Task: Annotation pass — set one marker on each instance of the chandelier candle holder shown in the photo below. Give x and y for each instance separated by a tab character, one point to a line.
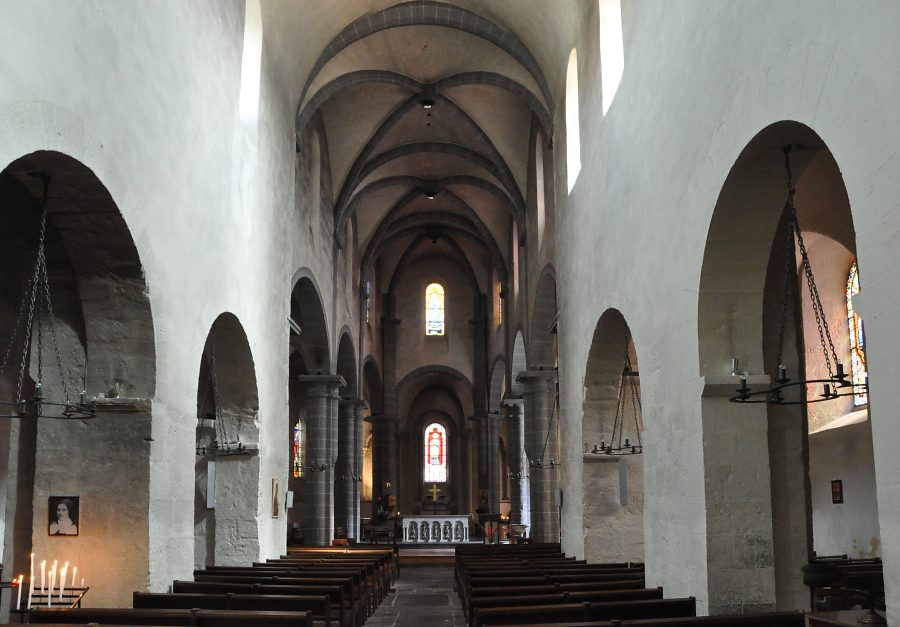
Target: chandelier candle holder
29	330
54	591
222	445
628	395
784	390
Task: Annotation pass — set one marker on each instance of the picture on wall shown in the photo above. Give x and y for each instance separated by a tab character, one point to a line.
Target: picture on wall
276	498
837	491
63	516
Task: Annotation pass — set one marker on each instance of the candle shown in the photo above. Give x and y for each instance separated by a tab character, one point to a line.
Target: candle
74	570
62	580
82	582
52	583
19	600
31	568
43	574
30	592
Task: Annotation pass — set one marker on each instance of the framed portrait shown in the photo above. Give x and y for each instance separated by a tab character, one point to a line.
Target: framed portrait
62	514
837	491
276	498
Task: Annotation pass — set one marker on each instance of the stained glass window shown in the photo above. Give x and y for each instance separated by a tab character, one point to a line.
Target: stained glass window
857	341
368	299
434	309
435	454
298	449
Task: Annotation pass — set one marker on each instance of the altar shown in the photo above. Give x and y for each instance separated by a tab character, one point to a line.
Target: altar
435	528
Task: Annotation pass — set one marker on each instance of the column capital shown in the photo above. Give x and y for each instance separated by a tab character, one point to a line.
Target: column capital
512	403
334	380
346	401
535	374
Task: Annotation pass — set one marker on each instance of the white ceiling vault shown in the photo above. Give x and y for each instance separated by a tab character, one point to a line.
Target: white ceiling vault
427	108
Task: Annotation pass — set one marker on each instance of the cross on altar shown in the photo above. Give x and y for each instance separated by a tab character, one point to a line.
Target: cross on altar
434	492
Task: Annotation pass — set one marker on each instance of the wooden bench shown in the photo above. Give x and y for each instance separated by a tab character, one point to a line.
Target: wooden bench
318	606
575	612
202	618
774	619
562	598
342	610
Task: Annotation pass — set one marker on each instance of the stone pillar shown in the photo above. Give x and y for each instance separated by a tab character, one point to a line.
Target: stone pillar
492	424
346	486
358	446
321	448
384	457
539	392
518	464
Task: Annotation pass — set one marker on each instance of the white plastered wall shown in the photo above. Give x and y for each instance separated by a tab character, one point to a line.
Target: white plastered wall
700	80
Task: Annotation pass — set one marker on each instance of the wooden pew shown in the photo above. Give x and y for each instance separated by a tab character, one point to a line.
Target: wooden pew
774	619
319	606
343	610
561	598
202	618
575	612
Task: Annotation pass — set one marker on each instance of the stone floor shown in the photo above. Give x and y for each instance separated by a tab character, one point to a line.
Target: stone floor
422	596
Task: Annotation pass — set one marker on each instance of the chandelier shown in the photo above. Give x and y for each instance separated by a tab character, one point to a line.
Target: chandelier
628	395
836	384
34	323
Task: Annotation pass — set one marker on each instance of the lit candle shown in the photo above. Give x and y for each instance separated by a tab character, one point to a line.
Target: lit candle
74	570
19	600
31	568
43	574
62	580
52	583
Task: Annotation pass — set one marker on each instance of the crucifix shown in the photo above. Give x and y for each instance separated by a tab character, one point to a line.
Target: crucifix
434	492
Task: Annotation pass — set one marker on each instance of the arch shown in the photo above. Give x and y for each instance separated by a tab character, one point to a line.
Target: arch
372	390
359	77
98	284
308	311
420	188
498	378
228	395
542	338
493	164
429	13
613	497
518	364
744	322
459	256
346	361
434	369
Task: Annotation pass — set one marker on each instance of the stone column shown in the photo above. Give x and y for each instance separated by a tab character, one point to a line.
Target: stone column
493	461
321	446
518	465
358	446
384	456
539	392
346	487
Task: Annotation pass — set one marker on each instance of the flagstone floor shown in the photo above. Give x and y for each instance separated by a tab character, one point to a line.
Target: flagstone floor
423	596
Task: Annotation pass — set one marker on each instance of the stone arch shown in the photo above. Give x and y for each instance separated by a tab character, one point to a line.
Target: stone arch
371	387
498	380
740	319
518	364
308	311
426	12
346	361
228	419
613	497
542	338
435	369
105	334
458	255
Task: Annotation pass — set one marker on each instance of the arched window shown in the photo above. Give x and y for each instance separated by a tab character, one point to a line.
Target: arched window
612	49
573	132
857	341
434	309
435	446
298	449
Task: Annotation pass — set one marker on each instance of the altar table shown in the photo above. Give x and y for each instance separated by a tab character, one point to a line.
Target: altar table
435	528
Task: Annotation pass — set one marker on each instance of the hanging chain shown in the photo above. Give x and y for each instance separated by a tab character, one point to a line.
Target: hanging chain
32	288
635	397
793	230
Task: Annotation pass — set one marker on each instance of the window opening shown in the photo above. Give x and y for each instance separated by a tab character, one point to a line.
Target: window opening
298	449
857	341
573	133
435	453
434	309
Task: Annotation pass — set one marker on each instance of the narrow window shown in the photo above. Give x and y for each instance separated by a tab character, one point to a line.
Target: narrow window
612	50
573	133
368	299
298	449
435	454
434	309
859	373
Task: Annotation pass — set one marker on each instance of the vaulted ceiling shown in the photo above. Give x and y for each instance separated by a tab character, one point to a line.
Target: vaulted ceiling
428	109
